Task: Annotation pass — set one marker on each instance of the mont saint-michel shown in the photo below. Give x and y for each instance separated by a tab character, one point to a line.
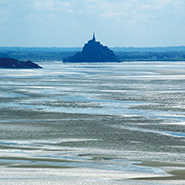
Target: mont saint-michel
93	51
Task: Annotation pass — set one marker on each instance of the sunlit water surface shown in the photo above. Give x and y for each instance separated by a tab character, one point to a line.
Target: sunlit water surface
92	123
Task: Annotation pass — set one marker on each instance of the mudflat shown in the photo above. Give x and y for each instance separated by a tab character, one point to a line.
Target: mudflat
93	123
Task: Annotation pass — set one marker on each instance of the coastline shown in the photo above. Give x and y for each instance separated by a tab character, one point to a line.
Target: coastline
174	171
109	123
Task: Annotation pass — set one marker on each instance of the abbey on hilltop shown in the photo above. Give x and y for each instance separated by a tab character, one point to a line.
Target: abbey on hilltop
93	51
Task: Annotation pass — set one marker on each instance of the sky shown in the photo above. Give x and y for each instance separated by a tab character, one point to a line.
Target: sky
70	23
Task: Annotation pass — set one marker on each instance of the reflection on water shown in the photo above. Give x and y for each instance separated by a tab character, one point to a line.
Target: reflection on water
94	116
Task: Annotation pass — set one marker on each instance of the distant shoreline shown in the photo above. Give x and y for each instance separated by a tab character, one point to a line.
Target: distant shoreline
176	53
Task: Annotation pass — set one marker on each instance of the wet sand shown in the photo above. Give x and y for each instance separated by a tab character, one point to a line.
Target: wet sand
175	171
100	123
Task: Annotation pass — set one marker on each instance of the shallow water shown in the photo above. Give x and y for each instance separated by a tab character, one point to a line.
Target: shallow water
98	117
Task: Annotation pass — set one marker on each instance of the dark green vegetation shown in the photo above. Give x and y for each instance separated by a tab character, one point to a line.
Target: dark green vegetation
124	54
93	51
14	63
152	56
37	54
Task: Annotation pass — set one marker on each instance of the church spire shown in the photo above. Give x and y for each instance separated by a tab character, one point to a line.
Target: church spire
94	39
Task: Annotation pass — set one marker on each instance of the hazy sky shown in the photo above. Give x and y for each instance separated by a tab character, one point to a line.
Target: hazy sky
70	23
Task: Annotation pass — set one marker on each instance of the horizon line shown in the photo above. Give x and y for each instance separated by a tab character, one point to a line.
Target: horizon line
82	47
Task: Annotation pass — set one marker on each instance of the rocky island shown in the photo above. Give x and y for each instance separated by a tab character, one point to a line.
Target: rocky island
93	51
17	64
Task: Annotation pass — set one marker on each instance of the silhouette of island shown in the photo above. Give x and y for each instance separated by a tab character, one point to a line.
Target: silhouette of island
14	63
93	51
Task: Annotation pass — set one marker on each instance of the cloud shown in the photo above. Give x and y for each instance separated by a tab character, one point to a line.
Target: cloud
105	9
127	11
118	8
164	4
51	5
46	18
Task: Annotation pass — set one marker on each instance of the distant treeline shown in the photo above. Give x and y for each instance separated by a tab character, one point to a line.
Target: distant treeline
37	56
124	54
153	56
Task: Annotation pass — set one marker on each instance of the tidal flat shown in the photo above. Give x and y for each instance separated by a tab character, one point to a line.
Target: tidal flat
100	123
